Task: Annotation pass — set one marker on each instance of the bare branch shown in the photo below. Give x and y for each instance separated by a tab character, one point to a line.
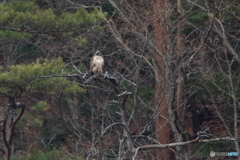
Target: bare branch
119	39
222	34
106	131
195	3
153	146
126	129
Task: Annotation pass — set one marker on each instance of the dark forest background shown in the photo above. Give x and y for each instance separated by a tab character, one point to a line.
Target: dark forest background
170	87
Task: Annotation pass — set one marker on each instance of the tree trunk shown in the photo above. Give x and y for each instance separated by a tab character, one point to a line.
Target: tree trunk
180	94
161	36
179	52
9	125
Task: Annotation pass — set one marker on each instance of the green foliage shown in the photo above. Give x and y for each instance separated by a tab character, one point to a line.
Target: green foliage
51	155
196	17
33	119
22	6
81	41
73	88
20	19
52	134
145	93
41	105
7	34
25	78
28	52
37	121
36	116
214	84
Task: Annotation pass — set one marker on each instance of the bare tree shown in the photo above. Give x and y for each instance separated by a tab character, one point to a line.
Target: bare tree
8	126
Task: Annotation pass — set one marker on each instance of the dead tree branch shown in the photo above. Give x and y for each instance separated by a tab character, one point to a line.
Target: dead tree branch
198	139
126	129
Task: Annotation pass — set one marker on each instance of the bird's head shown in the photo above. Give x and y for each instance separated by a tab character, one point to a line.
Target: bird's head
98	53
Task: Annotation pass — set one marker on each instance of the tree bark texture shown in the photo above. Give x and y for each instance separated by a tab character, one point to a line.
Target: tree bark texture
126	129
180	94
9	125
161	36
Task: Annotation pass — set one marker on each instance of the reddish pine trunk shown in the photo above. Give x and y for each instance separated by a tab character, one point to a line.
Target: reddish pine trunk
163	128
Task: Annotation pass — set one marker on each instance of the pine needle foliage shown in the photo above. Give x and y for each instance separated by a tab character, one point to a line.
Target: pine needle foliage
26	79
21	19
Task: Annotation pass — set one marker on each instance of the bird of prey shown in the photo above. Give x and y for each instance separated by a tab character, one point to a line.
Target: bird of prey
96	64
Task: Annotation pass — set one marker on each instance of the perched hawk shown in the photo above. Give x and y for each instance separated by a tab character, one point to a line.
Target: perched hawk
96	63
